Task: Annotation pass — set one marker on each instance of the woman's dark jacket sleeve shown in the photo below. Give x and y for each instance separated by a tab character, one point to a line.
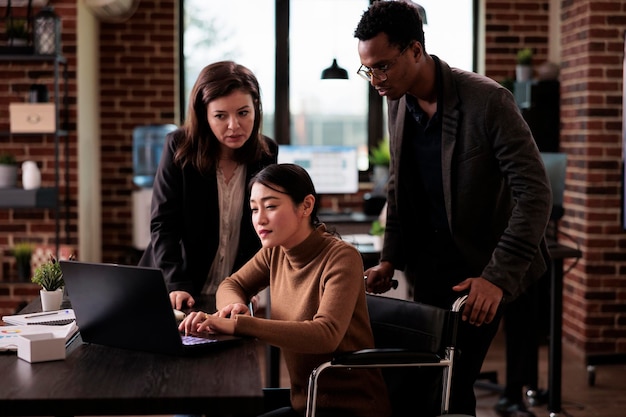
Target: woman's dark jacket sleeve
184	226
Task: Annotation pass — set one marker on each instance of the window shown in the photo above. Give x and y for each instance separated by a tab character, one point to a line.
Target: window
321	112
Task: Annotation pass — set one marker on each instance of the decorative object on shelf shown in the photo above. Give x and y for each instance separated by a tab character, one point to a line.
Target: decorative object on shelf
17	31
31	176
524	69
47	32
8	170
23	252
50	277
38	93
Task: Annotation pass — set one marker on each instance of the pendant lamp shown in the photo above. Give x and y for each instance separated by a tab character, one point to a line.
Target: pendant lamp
334	72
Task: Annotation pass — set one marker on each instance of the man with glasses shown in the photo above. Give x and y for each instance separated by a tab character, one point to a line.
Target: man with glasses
468	198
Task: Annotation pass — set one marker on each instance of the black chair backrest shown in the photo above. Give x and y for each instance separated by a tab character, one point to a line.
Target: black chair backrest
405	324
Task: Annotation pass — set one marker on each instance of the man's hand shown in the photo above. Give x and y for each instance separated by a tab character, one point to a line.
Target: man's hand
378	278
482	302
181	299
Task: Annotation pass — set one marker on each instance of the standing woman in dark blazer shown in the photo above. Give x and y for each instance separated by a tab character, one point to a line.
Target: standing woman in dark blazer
201	229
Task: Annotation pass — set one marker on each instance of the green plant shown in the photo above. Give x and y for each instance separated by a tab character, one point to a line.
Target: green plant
380	154
377	228
7	159
525	56
22	251
49	275
17	29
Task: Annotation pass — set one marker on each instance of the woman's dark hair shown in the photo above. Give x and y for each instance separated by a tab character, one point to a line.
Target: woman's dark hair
200	147
293	180
399	20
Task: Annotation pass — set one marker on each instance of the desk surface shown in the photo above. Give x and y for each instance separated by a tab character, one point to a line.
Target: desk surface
98	380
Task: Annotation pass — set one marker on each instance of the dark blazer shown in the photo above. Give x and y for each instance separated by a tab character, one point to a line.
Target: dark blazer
496	192
185	221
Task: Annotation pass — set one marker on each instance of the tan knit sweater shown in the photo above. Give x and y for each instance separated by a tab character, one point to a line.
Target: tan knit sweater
318	310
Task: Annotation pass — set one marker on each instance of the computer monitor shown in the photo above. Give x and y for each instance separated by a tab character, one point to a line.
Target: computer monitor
333	169
556	164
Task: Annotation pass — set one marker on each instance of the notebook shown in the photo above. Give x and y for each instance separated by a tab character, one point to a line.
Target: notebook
50	318
129	307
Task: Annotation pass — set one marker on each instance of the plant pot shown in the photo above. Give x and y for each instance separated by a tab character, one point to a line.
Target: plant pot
523	72
8	176
23	270
51	300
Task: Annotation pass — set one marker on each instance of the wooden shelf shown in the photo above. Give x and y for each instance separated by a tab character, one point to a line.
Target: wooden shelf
23	3
19	198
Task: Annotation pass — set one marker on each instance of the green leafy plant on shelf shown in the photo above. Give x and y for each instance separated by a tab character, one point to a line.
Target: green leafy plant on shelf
380	155
17	28
49	275
525	56
7	159
377	228
22	251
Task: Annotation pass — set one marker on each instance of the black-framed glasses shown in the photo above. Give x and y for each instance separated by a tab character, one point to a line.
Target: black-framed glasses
380	73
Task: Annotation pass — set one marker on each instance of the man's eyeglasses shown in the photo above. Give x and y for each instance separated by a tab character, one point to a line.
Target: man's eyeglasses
380	73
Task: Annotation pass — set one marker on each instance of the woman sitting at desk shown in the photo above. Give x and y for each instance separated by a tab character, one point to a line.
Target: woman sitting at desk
318	306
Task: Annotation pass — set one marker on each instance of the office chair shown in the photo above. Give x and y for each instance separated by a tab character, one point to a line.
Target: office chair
407	334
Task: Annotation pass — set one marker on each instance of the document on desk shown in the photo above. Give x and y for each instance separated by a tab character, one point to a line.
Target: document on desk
9	334
57	318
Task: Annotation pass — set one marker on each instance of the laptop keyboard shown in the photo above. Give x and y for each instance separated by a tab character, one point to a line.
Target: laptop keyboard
193	340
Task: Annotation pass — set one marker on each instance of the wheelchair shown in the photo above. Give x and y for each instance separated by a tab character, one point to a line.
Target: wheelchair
407	335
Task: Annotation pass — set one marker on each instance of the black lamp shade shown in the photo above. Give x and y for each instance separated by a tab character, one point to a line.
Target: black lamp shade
334	72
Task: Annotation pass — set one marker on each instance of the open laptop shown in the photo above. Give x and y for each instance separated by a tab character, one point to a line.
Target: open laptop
129	307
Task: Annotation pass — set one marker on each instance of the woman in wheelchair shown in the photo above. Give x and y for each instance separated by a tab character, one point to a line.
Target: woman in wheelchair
318	304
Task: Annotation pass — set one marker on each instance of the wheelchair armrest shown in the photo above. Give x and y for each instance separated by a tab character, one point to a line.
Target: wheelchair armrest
388	356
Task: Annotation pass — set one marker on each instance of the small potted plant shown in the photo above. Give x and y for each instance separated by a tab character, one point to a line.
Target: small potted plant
8	170
17	32
380	157
523	70
23	252
50	277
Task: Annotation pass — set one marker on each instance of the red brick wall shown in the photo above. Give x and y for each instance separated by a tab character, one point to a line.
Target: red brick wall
591	115
511	26
137	86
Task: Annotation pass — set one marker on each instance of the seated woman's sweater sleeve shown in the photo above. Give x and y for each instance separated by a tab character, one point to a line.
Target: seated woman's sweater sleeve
334	281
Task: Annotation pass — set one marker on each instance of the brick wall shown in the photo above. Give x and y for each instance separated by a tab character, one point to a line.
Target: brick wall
511	26
591	114
138	87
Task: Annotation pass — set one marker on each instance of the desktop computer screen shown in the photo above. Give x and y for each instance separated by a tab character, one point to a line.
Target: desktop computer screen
333	169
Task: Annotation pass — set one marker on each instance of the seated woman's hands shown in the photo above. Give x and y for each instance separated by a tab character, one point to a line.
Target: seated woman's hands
219	322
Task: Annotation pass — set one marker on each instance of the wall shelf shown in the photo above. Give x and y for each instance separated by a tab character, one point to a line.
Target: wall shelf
47	197
18	198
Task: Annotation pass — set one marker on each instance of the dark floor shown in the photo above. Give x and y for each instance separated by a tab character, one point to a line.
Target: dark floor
607	398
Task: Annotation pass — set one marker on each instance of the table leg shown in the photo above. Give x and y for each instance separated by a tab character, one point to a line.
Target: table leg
556	331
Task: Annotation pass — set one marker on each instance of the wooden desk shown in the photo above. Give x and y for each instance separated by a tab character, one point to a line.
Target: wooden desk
98	380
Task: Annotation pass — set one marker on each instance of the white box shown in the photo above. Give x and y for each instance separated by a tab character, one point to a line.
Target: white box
32	117
40	347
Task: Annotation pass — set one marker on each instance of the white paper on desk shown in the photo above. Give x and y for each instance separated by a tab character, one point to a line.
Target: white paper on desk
48	317
9	334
